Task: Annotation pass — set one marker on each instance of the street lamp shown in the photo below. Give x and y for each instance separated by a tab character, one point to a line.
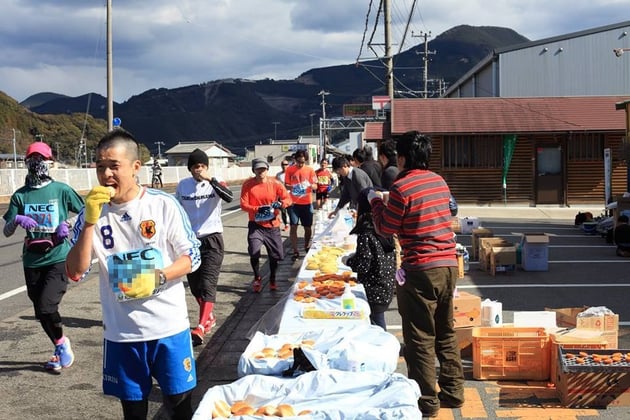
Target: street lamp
322	131
159	150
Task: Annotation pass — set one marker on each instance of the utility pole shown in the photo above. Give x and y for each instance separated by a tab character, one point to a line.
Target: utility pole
14	152
159	143
388	49
425	58
110	81
275	130
312	114
322	128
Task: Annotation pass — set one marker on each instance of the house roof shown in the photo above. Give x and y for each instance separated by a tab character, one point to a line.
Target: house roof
206	146
375	131
508	115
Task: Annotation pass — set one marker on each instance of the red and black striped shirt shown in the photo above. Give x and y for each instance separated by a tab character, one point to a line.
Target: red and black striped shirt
418	212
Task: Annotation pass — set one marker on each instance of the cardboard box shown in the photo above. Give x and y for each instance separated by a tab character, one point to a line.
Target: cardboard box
600	323
608	325
460	267
476	234
468	224
573	339
455	225
464	340
565	317
466	310
485	249
535	252
502	258
592	385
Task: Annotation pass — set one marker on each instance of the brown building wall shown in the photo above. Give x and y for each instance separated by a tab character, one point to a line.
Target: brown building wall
583	180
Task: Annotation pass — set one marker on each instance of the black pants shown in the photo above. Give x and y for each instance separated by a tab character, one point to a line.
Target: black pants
203	282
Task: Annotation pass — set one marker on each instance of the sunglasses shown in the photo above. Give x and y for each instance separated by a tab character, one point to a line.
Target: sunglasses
284	164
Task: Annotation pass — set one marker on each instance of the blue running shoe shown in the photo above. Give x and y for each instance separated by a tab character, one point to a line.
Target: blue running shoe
53	365
65	353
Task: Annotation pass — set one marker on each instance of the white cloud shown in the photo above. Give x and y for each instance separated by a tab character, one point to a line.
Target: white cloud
49	45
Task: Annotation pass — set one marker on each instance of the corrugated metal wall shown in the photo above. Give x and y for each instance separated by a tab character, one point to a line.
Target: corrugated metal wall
577	66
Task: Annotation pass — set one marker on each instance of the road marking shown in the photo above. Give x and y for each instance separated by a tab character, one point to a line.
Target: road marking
22	289
12	293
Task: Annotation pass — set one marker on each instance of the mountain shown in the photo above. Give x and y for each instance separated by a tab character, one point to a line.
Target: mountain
239	113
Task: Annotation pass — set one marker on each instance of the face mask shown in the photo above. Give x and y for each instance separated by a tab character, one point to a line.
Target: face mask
37	171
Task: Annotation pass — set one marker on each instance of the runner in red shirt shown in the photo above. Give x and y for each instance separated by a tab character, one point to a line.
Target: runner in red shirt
324	184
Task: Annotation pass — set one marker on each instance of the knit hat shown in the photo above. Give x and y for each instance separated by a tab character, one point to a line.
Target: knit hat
259	163
197	156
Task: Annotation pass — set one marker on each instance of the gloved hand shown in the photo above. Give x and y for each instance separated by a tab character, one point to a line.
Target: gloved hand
401	276
94	202
142	285
62	230
345	258
25	221
374	194
276	204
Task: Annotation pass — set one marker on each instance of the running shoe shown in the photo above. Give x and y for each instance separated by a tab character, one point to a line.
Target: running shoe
272	285
210	323
65	353
53	365
62	358
257	284
197	335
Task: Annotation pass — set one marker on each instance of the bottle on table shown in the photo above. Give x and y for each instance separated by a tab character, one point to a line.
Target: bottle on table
348	300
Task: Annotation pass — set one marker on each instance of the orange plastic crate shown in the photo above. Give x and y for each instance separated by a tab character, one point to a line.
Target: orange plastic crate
511	353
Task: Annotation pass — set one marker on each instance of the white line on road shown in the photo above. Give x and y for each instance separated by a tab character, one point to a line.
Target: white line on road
12	293
22	289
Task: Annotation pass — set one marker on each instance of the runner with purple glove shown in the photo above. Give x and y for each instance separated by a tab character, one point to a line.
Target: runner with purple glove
41	207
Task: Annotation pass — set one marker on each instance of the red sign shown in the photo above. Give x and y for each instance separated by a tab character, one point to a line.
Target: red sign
381	102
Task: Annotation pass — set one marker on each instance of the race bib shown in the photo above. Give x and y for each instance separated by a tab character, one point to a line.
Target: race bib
264	214
128	269
45	214
298	190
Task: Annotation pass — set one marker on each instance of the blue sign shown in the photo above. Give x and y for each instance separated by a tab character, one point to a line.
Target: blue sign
116	122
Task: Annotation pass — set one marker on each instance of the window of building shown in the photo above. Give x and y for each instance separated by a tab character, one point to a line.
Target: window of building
586	146
474	152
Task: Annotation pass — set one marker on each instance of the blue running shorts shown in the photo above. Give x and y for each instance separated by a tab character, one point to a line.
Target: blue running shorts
129	368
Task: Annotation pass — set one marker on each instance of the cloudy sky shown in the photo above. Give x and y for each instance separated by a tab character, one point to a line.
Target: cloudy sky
60	45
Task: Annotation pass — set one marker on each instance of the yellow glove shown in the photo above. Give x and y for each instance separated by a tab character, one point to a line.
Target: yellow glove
94	202
142	285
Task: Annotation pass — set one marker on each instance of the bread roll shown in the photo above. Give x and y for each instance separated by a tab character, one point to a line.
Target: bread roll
246	410
266	410
221	409
268	352
237	405
285	410
304	412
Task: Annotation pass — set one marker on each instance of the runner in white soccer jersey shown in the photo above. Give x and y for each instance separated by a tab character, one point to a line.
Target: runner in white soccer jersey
145	246
201	196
